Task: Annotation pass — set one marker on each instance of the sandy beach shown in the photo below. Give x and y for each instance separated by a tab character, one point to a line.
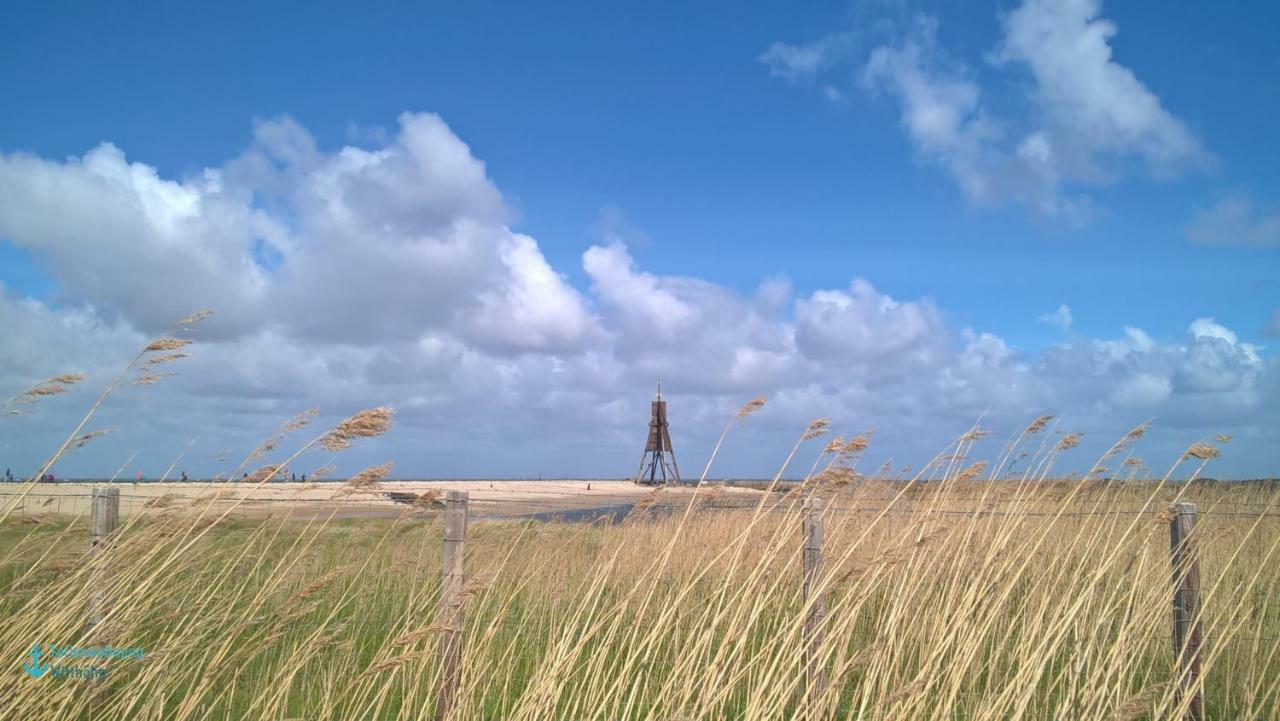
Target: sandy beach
489	499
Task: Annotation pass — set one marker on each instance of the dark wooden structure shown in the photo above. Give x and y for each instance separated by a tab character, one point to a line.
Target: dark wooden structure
658	462
1188	630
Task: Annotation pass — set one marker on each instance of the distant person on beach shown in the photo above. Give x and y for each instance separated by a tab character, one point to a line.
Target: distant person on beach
304	478
8	475
139	476
184	476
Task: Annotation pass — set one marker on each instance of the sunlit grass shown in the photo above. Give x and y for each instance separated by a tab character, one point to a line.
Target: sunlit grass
947	600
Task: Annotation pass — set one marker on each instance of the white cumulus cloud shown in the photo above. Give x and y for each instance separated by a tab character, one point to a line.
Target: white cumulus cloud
358	276
1083	120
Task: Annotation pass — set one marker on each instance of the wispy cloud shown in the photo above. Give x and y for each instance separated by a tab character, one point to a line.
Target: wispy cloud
1084	120
1272	329
806	60
1061	318
1235	221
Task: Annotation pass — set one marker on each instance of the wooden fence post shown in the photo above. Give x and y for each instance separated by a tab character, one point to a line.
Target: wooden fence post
1187	633
452	579
815	672
104	515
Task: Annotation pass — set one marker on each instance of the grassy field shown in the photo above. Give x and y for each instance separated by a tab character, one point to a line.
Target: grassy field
952	599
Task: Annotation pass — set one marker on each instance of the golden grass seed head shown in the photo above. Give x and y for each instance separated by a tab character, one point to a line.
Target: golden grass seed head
857	444
167	358
972	471
396	662
365	424
409	637
1202	451
428	500
1138	706
1069	441
82	441
313	587
195	317
1037	425
817	427
166	344
263	473
751	406
371	477
44	390
263	449
836	477
273	441
48	387
1136	433
299	421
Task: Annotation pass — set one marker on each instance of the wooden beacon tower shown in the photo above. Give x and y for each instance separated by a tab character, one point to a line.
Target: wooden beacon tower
659	458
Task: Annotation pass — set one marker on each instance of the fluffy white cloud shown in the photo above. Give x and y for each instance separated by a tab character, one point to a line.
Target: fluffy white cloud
530	307
864	325
1081	121
388	275
1234	221
1214	361
697	334
1092	109
943	114
114	233
357	245
1208	377
639	301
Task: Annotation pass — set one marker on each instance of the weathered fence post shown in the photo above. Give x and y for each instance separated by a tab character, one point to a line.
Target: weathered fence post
104	515
815	672
1187	634
452	578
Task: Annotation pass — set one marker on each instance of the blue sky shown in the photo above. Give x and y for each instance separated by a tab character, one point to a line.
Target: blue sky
672	129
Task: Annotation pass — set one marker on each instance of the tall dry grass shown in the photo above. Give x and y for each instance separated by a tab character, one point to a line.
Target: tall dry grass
975	600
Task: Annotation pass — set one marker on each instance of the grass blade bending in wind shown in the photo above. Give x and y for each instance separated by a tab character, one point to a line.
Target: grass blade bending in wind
25	401
816	428
747	409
